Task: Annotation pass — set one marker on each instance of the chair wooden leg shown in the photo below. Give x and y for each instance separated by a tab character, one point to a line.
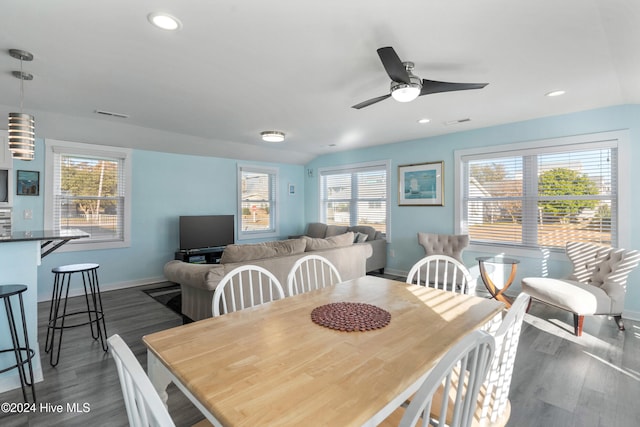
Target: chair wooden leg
619	322
578	321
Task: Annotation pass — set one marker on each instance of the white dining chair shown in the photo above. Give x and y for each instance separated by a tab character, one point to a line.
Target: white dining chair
441	272
494	404
311	272
243	287
471	355
493	407
144	406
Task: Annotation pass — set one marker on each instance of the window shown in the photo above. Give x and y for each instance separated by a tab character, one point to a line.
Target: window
356	195
88	187
542	194
257	202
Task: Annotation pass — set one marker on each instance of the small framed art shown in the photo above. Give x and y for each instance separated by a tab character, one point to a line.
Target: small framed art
421	184
28	183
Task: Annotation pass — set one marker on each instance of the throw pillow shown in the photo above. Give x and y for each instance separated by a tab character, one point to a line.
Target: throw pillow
360	237
339	241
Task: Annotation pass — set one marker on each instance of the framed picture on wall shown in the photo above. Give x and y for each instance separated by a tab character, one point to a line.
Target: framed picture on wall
421	184
28	183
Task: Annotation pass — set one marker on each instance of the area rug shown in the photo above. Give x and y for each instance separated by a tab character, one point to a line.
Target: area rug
169	295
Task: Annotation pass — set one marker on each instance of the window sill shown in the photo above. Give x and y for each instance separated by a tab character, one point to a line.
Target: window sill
534	253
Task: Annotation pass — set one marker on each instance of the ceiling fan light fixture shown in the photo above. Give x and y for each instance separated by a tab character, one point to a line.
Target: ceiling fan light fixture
405	92
272	136
164	21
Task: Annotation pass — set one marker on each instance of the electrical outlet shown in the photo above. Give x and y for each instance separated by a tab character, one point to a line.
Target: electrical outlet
28	214
392	253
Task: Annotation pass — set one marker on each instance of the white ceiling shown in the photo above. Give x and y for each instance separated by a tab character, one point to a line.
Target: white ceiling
239	67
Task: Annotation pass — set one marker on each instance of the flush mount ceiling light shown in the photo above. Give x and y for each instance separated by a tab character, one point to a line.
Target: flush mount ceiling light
272	136
423	121
164	21
555	93
21	125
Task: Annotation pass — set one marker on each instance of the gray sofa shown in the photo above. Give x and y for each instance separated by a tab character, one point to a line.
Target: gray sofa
199	281
375	239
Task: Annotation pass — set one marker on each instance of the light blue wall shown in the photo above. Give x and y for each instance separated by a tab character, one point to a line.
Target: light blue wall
406	221
165	186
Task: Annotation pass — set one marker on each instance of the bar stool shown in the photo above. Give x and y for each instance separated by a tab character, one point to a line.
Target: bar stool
23	353
58	315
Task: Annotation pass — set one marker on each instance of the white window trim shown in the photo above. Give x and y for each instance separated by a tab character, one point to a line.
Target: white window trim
352	167
56	146
249	235
619	138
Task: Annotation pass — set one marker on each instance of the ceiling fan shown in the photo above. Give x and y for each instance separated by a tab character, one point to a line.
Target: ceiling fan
405	86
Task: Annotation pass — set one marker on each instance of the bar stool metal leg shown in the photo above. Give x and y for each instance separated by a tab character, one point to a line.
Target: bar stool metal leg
18	349
97	303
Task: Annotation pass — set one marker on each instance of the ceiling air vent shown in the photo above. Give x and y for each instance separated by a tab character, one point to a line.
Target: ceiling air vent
112	114
457	122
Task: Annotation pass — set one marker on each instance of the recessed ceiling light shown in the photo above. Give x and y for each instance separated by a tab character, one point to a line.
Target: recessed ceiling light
164	21
423	121
555	93
272	136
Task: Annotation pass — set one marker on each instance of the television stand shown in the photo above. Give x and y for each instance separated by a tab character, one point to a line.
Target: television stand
201	256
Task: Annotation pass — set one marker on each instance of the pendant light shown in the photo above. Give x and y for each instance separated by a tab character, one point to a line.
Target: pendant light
21	125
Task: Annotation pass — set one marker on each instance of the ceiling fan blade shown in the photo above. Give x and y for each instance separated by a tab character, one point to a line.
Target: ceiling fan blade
370	101
432	86
393	65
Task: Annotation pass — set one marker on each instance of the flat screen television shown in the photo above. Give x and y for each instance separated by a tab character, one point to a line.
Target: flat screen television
206	231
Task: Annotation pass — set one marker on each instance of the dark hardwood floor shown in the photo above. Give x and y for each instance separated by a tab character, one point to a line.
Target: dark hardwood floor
559	379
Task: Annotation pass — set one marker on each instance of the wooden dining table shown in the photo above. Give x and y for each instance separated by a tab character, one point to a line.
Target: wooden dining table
272	365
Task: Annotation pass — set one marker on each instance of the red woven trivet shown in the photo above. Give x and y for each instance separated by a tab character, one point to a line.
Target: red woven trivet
351	316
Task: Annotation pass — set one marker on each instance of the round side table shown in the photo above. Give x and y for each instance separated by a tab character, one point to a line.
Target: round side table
496	293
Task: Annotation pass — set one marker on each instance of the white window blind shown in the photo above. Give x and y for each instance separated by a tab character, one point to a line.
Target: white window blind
88	188
356	195
542	197
257	202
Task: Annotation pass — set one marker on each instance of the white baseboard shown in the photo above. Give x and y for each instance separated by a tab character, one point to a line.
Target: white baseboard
111	287
631	315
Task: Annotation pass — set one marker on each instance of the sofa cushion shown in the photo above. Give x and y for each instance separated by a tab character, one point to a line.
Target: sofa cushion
339	241
249	252
335	230
316	230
